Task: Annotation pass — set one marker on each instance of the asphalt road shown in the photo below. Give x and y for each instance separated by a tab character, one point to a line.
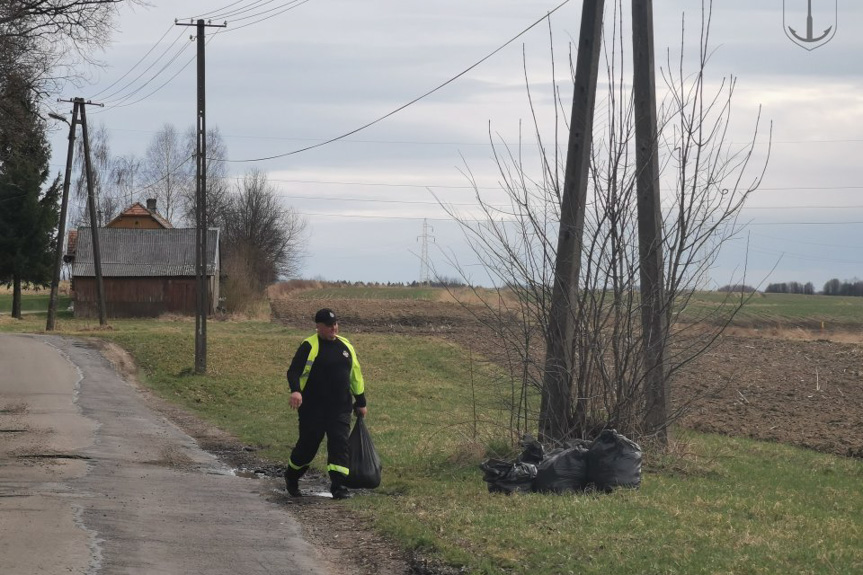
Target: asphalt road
92	481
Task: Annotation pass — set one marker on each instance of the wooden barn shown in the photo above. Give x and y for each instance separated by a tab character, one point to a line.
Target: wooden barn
145	272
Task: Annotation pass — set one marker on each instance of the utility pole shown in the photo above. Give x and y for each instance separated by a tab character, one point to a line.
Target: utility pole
424	258
559	361
91	209
61	227
202	291
653	312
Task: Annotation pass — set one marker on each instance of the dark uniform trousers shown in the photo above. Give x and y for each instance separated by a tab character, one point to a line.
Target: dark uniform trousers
313	426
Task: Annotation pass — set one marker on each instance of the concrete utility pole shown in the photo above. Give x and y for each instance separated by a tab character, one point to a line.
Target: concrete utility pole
653	312
61	227
559	360
202	291
91	210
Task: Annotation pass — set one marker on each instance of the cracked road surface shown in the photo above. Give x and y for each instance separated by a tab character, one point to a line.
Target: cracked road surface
93	481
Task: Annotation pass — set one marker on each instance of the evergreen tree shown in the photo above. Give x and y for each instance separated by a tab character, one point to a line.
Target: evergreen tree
28	215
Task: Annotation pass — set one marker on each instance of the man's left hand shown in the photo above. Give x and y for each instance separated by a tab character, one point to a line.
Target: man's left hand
361	411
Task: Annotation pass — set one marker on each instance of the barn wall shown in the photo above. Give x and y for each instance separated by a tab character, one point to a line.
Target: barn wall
137	297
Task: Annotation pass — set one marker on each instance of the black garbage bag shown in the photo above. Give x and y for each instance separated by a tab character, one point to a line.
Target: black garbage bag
533	451
365	465
562	471
613	461
508	477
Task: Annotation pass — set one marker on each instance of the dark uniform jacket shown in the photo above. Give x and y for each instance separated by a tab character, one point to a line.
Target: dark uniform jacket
334	379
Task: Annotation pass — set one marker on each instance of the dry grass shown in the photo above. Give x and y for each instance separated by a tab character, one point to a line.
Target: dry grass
285	289
798	334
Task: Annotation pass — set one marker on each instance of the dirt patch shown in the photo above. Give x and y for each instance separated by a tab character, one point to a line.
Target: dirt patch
804	393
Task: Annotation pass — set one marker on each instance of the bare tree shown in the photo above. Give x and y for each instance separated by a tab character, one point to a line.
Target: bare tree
60	34
218	190
706	180
124	178
164	168
110	182
263	240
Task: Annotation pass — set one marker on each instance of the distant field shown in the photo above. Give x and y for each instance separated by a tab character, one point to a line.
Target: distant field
362	292
787	310
761	310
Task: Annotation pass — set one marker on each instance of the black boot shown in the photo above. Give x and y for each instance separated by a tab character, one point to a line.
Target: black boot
292	479
337	486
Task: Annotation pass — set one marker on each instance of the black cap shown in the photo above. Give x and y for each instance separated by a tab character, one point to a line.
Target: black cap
326	316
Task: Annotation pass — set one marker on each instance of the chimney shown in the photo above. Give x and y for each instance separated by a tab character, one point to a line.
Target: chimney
151	204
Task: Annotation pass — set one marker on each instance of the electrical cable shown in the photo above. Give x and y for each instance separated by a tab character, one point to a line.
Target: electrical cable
168	81
236	15
170	173
415	100
135	65
218	13
110	98
138	101
296	4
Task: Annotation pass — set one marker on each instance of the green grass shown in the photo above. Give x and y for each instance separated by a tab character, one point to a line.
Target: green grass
32	302
727	506
787	310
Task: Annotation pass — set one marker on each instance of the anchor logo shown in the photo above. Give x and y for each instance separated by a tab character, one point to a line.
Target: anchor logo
810	41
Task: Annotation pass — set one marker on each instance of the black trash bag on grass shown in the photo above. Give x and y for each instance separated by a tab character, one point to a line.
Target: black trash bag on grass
507	477
365	465
562	471
613	461
533	451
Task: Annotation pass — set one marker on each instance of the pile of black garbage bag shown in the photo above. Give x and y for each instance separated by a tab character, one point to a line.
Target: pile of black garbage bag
608	462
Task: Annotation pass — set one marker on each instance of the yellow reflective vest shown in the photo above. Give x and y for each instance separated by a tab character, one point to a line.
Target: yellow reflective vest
358	386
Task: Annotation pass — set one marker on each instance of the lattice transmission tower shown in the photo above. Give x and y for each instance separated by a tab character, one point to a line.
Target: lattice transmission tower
424	257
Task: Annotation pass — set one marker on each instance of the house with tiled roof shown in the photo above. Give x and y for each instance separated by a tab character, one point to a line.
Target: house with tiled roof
137	216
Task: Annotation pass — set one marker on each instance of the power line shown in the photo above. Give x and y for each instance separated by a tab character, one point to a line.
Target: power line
281	10
168	81
415	100
118	102
111	97
413	142
224	12
135	65
847	223
796	241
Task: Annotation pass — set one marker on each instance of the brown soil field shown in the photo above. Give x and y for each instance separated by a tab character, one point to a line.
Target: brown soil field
794	387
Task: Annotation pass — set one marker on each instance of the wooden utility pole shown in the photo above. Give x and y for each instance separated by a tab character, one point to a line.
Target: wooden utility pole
61	226
653	312
202	291
91	207
559	361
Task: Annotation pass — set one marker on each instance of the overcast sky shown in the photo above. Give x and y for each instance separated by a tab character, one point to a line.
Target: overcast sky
285	75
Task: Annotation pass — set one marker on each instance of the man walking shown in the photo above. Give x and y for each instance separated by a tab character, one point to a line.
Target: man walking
326	384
